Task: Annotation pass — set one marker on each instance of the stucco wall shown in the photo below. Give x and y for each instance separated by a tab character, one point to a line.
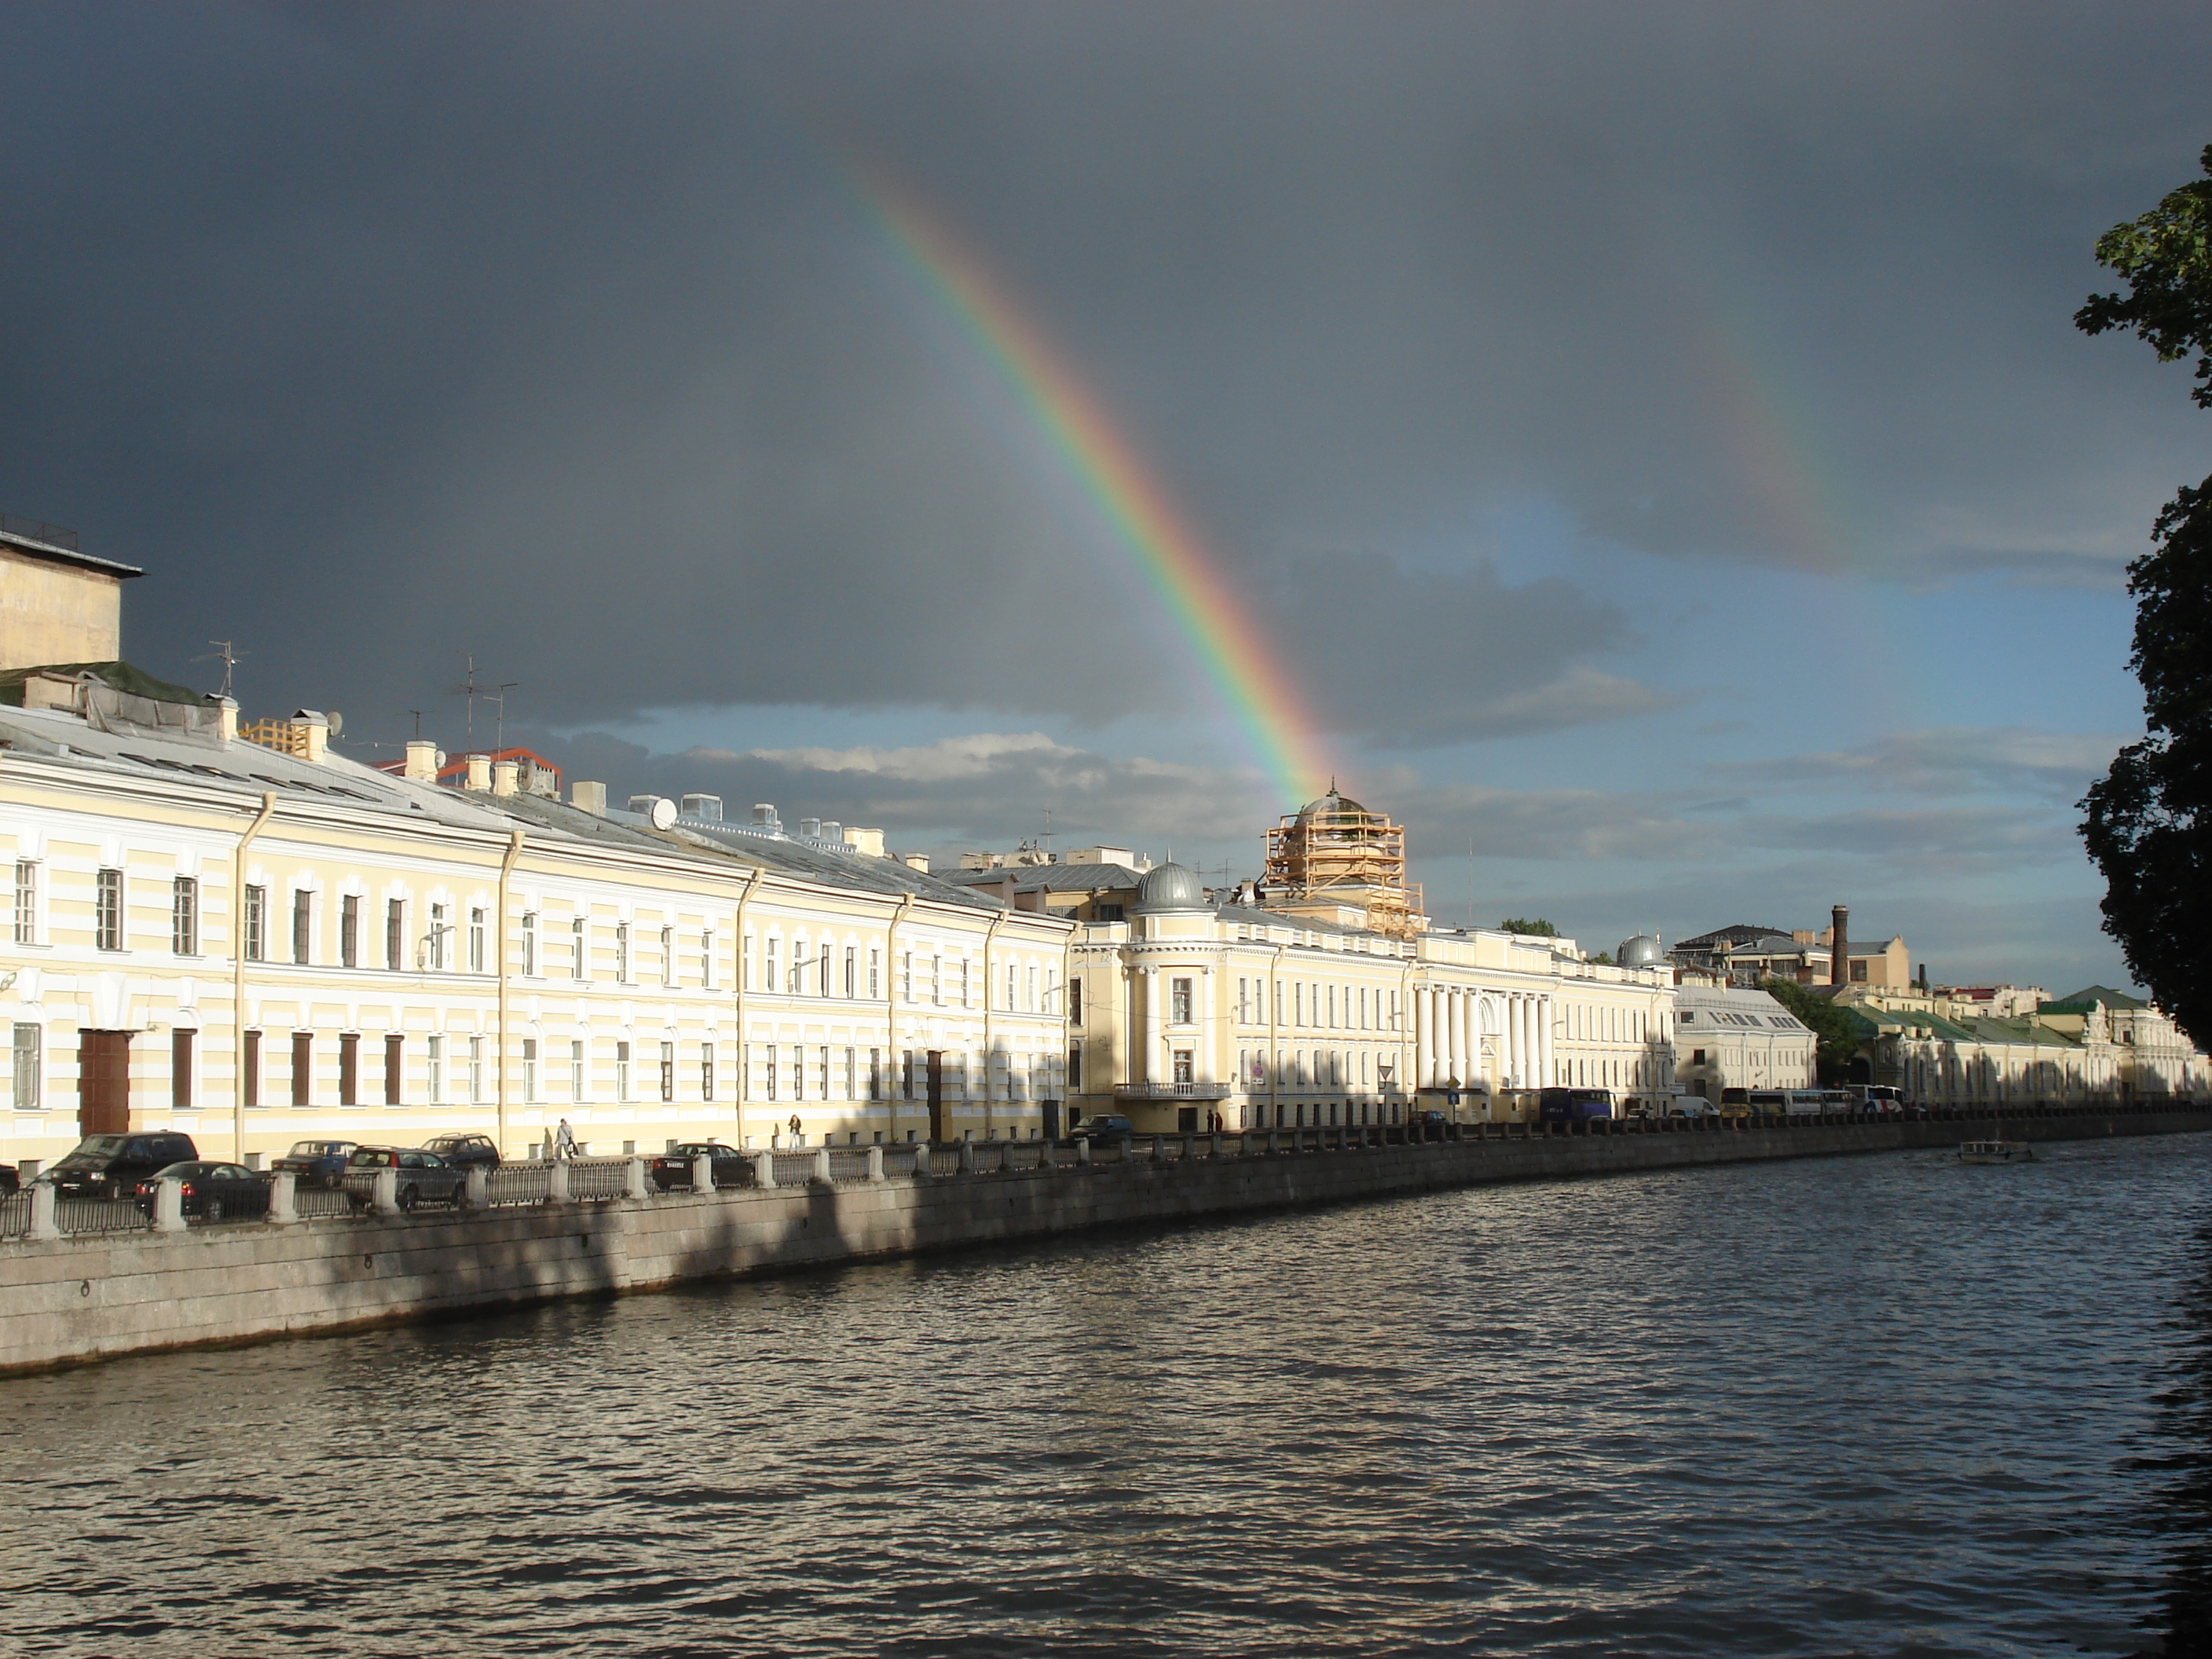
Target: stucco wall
71	1301
54	613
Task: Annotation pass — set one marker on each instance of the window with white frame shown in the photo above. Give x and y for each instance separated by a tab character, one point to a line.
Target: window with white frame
435	944
350	930
255	943
436	1060
622	1070
475	1071
530	1070
1179	1002
303	924
667	1072
530	944
476	940
395	934
852	970
768	1070
580	943
185	916
579	1073
26	902
622	963
822	984
875	965
851	1080
107	911
768	979
667	956
30	1067
707	959
706	1071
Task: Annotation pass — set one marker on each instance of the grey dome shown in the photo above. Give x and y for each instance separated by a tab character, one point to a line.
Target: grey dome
1170	887
1642	951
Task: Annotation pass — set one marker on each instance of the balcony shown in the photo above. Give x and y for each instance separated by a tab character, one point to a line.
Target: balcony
1174	1090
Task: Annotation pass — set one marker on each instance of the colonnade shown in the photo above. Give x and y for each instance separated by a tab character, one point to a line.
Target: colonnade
1449	1031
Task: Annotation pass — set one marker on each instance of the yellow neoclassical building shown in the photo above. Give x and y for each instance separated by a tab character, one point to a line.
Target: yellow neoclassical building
247	937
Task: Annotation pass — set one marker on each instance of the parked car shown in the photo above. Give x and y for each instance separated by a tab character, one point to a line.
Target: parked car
424	1177
1574	1105
212	1190
111	1166
11	1180
465	1151
1104	1127
1691	1106
673	1167
316	1163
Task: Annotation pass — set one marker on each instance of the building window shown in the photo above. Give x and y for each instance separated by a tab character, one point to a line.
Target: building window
529	1069
435	1063
182	1044
768	1070
348	1068
476	940
906	975
257	924
769	981
578	1072
667	1072
30	1065
530	944
435	944
185	916
875	966
937	982
303	923
1183	1073
852	1058
395	934
303	1068
107	911
580	952
1075	1002
1030	984
822	970
707	959
668	956
1179	1002
475	1071
621	958
965	964
798	1071
1010	987
852	970
1075	1068
705	1071
249	1067
622	1070
822	1076
350	930
876	1080
395	1068
906	1074
26	902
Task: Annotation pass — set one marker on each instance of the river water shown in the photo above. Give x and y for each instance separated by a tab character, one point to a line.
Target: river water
1879	1404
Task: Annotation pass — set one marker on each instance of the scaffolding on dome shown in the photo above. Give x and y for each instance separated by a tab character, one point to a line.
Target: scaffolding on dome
1334	851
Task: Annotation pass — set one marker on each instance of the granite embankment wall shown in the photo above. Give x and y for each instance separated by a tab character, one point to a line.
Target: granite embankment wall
75	1300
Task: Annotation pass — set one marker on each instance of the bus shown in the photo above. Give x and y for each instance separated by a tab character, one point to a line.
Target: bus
1574	1105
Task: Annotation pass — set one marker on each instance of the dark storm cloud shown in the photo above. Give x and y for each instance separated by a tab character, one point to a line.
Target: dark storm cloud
384	334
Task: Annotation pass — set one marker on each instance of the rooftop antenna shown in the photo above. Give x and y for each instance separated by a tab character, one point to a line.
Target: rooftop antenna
498	695
1046	839
228	658
417	714
468	688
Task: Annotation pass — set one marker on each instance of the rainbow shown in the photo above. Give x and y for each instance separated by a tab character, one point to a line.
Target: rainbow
1181	573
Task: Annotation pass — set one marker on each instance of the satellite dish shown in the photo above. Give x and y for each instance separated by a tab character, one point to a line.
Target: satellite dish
337	723
663	812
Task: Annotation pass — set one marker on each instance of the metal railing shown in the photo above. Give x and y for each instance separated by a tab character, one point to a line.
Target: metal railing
37	530
608	1179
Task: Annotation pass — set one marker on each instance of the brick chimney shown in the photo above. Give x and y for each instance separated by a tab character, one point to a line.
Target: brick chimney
422	760
1839	945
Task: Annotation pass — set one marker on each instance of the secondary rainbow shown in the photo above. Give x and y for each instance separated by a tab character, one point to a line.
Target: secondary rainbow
1177	566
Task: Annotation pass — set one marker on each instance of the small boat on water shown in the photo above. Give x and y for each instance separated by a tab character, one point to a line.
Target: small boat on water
1995	1151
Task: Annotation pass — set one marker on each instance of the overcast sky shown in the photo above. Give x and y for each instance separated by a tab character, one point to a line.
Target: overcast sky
1653	436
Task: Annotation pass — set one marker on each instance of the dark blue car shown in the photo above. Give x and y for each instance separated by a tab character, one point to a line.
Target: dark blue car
316	1163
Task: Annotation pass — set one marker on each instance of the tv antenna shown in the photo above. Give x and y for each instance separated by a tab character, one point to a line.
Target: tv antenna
228	657
498	695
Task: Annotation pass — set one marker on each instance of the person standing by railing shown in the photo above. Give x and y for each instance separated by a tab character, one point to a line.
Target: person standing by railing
564	1142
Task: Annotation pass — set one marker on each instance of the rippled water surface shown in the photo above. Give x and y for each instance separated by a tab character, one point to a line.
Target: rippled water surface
1868	1405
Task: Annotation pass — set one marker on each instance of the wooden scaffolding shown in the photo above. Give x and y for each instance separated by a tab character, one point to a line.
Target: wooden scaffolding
1334	851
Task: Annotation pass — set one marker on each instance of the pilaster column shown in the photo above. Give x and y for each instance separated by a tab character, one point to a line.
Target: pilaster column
1544	1060
1421	1036
1455	1038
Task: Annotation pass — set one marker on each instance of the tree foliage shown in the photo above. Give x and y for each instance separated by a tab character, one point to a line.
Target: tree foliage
2147	822
1836	1028
1539	929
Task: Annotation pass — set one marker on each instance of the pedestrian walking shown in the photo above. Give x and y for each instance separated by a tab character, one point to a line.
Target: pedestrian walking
564	1141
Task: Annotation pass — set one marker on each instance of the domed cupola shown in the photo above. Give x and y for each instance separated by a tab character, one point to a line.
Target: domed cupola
1642	951
1168	887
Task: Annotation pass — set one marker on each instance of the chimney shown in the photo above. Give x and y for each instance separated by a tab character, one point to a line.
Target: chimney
867	842
589	797
833	830
764	818
422	756
506	778
915	861
1839	944
810	828
311	735
707	809
226	714
479	773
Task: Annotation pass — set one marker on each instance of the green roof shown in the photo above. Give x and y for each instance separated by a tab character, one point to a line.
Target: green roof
2090	997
